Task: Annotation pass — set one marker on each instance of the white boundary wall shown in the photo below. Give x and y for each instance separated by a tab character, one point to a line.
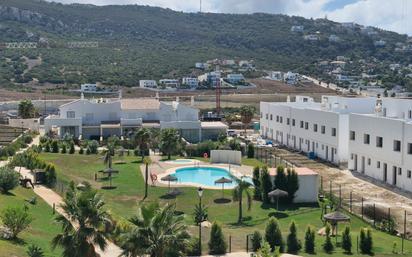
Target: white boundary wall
226	156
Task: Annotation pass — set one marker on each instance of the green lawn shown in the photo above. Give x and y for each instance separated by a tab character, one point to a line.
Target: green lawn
123	202
41	230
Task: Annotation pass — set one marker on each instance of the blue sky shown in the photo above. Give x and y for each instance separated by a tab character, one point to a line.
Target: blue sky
395	15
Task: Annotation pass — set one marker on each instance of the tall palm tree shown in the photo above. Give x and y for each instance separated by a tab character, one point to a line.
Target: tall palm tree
84	225
169	141
108	155
142	139
156	232
242	187
246	113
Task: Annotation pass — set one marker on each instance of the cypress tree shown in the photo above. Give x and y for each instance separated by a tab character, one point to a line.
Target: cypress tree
256	241
217	243
365	239
266	185
257	195
292	184
64	149
293	242
347	241
281	181
273	235
328	246
55	146
71	150
310	240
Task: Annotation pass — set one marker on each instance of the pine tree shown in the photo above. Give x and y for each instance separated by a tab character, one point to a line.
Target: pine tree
64	149
250	151
347	241
55	146
292	184
256	241
293	243
328	246
217	243
273	235
266	185
310	240
281	181
81	151
365	239
71	150
257	195
47	147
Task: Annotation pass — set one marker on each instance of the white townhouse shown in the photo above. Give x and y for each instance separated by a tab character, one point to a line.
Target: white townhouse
101	118
313	127
191	82
381	143
88	87
148	83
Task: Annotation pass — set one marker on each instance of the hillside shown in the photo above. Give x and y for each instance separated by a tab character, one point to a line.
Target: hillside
140	42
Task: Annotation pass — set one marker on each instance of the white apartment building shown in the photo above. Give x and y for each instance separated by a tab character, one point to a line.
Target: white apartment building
191	82
88	87
101	118
235	78
148	83
380	144
171	83
313	127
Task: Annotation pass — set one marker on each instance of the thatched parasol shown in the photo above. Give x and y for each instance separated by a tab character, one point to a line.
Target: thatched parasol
278	194
223	181
169	178
334	218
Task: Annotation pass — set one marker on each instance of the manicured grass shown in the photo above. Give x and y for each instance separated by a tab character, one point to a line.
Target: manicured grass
123	202
41	230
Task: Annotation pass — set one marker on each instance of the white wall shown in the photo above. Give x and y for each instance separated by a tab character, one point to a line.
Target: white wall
308	189
226	156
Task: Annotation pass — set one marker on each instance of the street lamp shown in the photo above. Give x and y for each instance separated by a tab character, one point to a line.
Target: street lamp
200	193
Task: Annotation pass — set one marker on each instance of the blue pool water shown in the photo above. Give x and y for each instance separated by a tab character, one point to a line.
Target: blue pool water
205	176
182	161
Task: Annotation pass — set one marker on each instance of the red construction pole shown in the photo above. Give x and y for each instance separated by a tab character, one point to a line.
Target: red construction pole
218	93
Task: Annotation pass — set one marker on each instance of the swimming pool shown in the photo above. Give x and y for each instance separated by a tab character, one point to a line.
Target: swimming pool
181	161
205	176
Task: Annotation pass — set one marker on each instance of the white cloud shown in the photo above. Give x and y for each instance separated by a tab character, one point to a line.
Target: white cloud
386	14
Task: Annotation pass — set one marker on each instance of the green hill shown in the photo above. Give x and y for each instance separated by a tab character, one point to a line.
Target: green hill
140	42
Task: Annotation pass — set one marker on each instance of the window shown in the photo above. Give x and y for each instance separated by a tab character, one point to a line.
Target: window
379	142
293	122
399	171
351	156
301	124
409	114
271	117
366	139
409	148
306	125
396	145
281	119
261	115
378	164
352	135
267	116
334	132
369	161
409	173
71	114
288	121
315	127
323	129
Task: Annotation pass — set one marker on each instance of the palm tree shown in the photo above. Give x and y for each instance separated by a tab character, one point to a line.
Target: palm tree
242	186
108	155
156	232
84	224
142	140
169	141
246	113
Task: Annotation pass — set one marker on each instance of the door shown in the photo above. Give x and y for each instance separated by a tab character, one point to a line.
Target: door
332	155
313	146
327	153
363	165
394	169
355	162
385	172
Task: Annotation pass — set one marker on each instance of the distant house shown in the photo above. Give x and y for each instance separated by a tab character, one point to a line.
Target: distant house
338	64
276	75
88	87
291	78
148	83
334	38
394	66
235	78
201	65
171	83
311	37
228	62
210	78
348	25
190	82
380	43
298	28
370	31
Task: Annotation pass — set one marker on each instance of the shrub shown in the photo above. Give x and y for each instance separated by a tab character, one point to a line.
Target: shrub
15	220
328	246
71	149
273	235
92	147
217	243
256	241
47	147
9	179
310	240
81	151
64	149
55	146
365	241
250	151
347	241
51	177
266	185
43	140
257	195
265	251
88	151
293	243
193	247
27	138
34	251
